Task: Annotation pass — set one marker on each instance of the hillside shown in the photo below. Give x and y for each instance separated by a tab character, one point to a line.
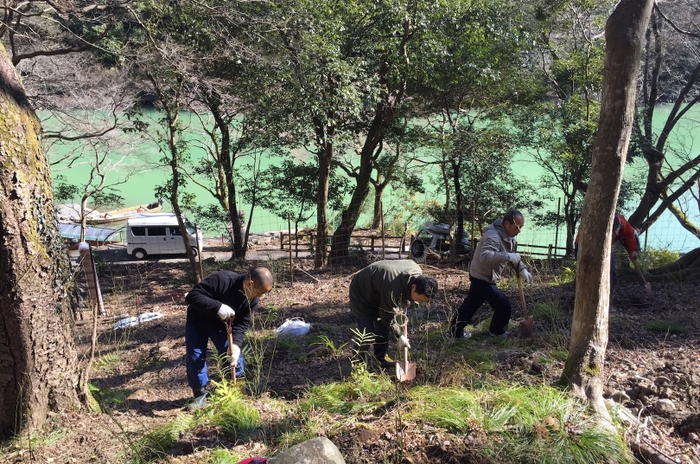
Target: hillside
139	375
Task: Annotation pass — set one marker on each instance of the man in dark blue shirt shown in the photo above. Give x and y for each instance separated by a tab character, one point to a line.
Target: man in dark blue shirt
223	298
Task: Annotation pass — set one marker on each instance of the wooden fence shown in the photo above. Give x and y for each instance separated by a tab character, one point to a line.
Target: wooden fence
304	242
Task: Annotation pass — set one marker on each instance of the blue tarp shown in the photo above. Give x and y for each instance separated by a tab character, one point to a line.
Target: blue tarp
92	234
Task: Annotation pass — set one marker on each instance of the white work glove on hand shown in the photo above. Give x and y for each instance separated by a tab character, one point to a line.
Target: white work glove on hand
226	312
525	274
235	355
404	342
513	258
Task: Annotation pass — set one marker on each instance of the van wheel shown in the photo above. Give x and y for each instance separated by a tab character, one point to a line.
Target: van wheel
194	252
417	248
139	253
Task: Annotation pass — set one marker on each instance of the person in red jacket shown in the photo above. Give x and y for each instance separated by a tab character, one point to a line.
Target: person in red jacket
627	236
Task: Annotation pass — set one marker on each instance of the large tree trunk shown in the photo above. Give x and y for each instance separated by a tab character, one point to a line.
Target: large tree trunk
624	34
459	206
38	360
325	157
348	220
227	191
172	113
377	213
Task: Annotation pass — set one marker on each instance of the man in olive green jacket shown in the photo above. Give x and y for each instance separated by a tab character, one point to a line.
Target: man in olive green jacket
380	292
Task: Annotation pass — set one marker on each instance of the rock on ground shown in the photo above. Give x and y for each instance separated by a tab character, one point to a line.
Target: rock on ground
316	450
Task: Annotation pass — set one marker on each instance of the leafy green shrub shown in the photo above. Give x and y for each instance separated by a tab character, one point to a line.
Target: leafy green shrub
568	273
106	362
230	410
651	258
323	340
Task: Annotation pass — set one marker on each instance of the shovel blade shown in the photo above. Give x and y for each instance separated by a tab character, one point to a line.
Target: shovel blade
527	326
405	371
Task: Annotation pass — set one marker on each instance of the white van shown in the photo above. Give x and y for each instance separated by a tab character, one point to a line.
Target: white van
159	234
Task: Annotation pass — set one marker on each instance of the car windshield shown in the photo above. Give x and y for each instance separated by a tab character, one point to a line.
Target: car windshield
190	227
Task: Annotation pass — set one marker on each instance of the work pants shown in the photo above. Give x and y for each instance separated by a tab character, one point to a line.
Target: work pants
481	291
196	342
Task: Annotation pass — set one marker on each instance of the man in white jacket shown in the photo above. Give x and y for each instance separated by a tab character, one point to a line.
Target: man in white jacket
495	251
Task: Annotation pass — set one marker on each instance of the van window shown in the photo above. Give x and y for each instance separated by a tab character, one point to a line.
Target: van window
175	231
190	227
140	231
156	231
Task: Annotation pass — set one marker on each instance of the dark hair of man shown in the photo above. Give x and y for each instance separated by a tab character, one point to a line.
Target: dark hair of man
426	285
511	215
261	277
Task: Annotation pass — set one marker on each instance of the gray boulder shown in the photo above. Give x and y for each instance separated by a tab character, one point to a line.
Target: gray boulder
319	450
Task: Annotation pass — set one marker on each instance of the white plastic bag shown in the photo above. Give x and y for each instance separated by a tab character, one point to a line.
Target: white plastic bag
136	320
295	326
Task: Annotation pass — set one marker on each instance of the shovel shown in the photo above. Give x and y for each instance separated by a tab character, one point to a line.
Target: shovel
230	351
527	324
405	371
647	285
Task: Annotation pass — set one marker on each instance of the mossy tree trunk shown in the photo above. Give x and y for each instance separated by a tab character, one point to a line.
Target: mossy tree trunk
38	361
624	33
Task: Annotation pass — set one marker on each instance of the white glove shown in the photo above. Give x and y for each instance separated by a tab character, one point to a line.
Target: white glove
235	355
226	312
525	274
513	258
404	342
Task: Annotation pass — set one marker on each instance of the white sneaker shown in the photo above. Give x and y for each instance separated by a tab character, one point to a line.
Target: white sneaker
503	335
198	402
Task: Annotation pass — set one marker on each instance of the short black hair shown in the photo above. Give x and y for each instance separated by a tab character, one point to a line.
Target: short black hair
261	277
426	285
511	215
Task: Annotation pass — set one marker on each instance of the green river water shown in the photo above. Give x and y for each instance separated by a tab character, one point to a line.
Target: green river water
138	158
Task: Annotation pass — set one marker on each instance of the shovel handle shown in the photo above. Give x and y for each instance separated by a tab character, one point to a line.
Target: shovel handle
230	351
522	297
520	290
639	271
647	285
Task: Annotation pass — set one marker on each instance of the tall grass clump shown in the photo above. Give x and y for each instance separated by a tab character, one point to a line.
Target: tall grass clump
158	443
362	392
520	424
666	327
224	456
302	427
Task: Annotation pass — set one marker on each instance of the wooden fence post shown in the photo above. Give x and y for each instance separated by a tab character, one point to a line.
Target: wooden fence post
381	218
556	228
291	266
